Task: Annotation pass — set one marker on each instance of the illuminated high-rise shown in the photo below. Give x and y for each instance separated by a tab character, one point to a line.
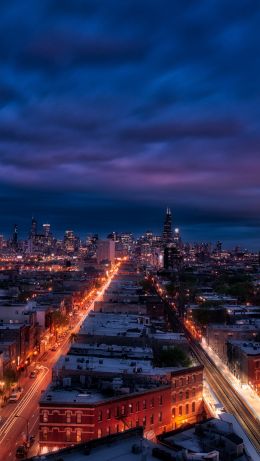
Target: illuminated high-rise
33	231
46	230
15	236
167	228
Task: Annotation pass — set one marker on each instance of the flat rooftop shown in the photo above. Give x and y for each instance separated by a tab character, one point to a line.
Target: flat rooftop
110	324
107	350
71	396
168	335
234	327
249	347
111	365
118	447
188	439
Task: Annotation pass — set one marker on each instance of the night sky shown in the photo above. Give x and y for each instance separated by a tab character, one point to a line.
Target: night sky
113	110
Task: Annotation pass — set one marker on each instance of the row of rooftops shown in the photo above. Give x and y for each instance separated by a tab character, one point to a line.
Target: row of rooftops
252	327
110	365
97	359
108	350
129	325
248	347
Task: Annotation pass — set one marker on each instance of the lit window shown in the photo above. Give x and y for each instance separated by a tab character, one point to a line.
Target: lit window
160	417
68	416
131	408
78	417
78	435
68	434
45	433
45	416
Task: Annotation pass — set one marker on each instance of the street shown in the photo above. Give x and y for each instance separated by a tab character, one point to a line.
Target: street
16	417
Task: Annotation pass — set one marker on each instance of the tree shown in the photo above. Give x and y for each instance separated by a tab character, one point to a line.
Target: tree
10	377
173	356
203	315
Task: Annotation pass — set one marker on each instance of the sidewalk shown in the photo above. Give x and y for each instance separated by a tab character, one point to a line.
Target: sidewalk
246	393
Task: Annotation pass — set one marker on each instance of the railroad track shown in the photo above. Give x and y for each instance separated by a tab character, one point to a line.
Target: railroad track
229	397
225	392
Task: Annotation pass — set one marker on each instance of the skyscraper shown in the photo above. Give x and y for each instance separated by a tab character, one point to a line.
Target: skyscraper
15	236
167	228
46	230
105	250
33	230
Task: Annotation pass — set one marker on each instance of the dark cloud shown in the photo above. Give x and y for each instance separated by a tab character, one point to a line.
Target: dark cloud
111	111
62	52
171	131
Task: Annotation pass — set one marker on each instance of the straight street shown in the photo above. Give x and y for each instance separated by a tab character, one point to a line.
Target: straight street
17	415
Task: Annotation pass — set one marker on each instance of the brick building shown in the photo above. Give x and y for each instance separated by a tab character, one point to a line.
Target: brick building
72	416
244	362
217	336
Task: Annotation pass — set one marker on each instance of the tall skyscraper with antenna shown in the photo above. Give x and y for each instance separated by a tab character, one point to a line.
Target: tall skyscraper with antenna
15	236
167	228
33	230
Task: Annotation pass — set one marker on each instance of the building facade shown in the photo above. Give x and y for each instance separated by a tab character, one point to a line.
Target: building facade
64	422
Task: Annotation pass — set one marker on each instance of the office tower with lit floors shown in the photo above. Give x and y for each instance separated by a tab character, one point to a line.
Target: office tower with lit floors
167	228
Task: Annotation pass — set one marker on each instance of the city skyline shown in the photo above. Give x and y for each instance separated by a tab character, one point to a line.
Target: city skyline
190	234
109	115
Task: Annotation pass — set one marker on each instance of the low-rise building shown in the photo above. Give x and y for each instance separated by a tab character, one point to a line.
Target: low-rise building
71	412
244	362
217	336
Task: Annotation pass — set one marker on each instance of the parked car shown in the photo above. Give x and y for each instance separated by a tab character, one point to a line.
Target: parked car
14	397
